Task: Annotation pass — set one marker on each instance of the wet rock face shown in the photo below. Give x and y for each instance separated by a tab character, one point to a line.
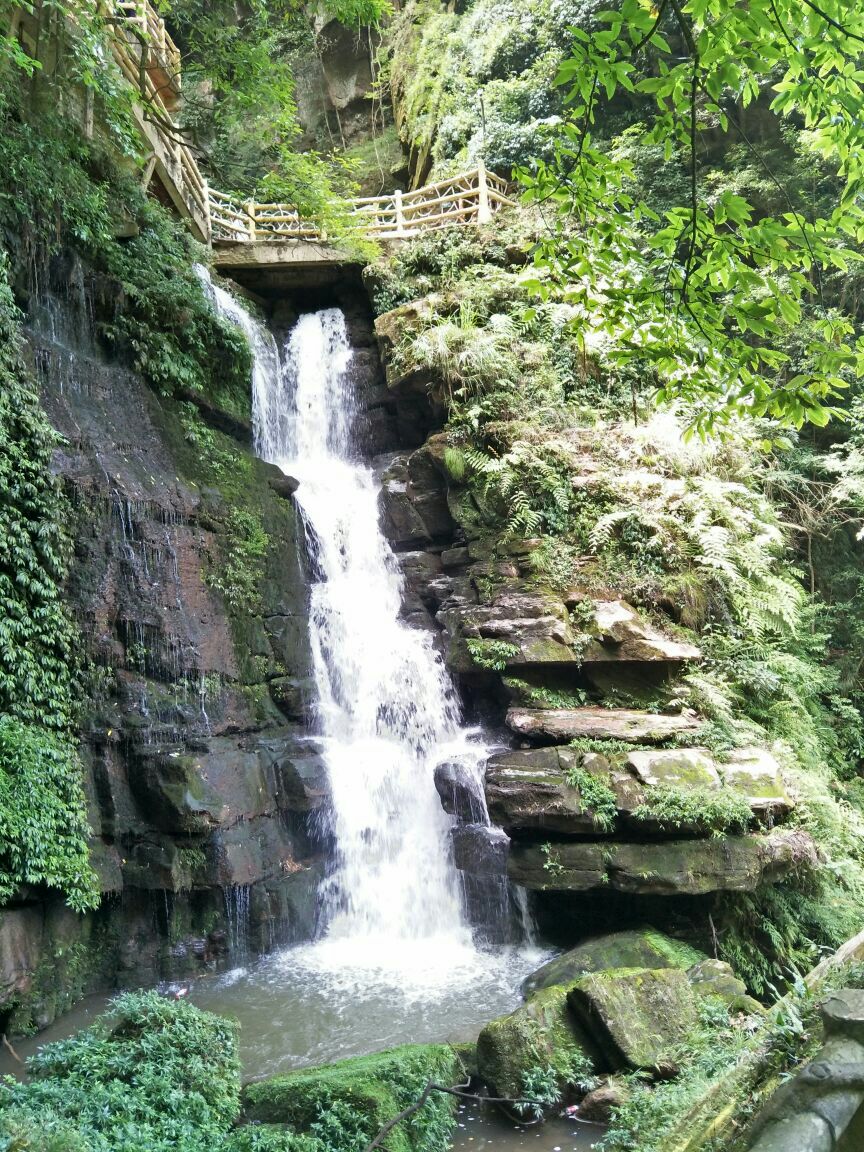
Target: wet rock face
668	868
199	777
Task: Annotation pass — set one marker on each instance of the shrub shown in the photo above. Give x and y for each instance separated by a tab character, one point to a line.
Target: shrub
151	1074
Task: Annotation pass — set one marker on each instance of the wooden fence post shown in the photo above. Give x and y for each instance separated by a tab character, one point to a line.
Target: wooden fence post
400	218
249	207
208	222
484	211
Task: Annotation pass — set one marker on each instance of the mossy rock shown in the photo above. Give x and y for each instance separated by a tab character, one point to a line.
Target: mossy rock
365	1092
716	978
541	1034
633	948
636	1016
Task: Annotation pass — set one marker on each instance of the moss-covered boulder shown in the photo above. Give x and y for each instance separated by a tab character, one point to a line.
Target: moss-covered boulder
357	1097
716	978
632	948
636	1016
540	1036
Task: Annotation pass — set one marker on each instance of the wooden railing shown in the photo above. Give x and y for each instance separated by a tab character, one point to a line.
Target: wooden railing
150	61
148	29
470	198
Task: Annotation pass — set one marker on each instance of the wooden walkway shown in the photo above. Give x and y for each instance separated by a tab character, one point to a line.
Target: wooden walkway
150	61
470	198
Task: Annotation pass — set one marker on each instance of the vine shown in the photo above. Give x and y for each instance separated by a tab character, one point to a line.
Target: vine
43	824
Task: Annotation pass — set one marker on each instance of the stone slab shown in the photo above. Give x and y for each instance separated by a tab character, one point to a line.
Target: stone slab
561	725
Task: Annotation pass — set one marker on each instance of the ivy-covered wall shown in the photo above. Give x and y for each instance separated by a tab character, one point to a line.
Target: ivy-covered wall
152	657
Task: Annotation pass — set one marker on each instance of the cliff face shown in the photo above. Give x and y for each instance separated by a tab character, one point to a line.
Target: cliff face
187	583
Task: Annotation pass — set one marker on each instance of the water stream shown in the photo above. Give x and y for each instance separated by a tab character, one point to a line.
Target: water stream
396	961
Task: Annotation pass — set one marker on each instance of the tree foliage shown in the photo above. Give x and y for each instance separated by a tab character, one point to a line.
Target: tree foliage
706	290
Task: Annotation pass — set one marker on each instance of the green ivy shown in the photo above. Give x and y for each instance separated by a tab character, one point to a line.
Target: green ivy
43	825
43	821
150	1075
37	637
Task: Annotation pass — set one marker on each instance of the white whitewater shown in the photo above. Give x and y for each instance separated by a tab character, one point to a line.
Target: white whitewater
387	711
396	960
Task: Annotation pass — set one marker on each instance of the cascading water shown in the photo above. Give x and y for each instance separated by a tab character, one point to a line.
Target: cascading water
396	960
387	711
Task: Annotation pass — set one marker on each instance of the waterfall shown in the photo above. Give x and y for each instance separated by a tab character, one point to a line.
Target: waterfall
387	711
393	905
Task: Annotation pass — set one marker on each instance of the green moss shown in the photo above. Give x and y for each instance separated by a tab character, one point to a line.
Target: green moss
540	1041
631	948
346	1104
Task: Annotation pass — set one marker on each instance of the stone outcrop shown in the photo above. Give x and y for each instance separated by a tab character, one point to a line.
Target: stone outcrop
537	792
668	868
716	978
539	629
560	725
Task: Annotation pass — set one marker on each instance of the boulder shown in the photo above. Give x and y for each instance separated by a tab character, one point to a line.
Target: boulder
284	486
480	850
674	767
391	326
373	1090
668	868
533	624
598	1106
631	948
756	774
622	634
716	978
302	783
529	791
561	725
541	1032
414	509
295	697
459	792
636	1016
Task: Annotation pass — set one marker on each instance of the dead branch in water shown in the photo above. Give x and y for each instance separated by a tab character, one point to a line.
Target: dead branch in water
457	1090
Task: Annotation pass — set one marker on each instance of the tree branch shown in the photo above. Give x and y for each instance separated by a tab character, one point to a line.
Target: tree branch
833	23
431	1086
